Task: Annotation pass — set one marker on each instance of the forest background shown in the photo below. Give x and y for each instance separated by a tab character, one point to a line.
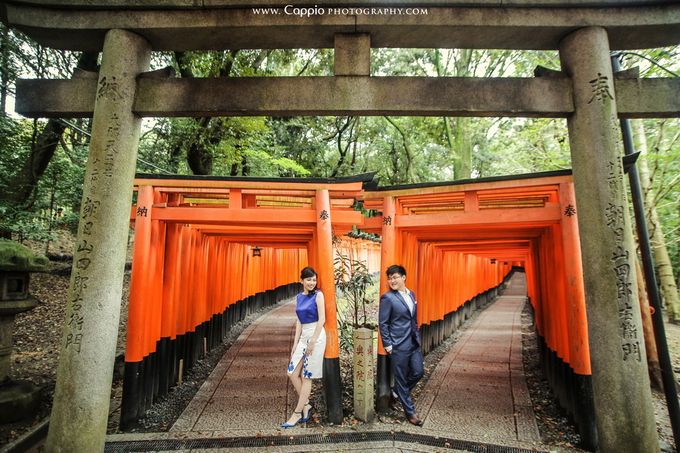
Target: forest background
42	162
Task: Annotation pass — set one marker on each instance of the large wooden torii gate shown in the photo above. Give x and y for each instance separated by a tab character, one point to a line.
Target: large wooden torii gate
586	92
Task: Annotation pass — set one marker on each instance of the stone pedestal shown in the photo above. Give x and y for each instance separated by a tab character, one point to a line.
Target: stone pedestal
363	374
18	399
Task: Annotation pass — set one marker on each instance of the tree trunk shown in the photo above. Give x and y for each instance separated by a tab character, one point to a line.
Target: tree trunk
4	67
245	168
410	178
648	331
45	144
669	290
342	149
24	181
199	158
199	155
457	130
462	165
175	153
395	178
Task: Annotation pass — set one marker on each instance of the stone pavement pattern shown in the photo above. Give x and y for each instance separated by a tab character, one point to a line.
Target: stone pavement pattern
477	392
248	389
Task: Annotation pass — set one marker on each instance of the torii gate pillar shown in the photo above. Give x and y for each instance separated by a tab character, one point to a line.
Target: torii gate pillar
331	363
387	258
623	405
83	389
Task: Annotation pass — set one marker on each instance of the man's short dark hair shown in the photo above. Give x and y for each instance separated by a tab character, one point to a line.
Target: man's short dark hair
396	269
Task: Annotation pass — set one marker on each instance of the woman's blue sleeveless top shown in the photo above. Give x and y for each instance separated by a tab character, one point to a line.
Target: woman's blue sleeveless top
306	308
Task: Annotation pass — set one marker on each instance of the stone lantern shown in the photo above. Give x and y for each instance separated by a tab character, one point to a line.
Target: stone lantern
18	399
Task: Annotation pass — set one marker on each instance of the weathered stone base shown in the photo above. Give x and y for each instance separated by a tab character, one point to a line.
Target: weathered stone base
18	400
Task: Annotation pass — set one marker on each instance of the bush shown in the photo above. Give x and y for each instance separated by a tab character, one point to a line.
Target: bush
352	281
24	225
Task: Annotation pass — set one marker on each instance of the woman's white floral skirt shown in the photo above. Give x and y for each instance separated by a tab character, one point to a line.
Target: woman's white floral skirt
312	367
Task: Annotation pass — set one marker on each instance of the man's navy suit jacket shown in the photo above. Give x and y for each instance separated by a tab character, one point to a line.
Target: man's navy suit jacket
395	319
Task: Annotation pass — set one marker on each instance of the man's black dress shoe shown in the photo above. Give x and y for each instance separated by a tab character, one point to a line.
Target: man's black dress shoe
395	405
414	420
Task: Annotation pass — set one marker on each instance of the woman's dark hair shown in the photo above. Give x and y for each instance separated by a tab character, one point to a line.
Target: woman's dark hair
308	272
396	269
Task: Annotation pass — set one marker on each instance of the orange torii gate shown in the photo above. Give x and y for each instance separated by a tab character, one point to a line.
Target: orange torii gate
459	242
209	251
360	250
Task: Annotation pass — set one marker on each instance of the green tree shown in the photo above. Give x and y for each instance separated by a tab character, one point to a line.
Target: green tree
654	194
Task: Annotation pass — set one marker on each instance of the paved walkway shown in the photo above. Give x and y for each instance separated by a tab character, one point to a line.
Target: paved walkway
248	390
478	391
476	394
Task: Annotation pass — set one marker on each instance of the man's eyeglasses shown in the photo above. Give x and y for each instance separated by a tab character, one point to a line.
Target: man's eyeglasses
394	278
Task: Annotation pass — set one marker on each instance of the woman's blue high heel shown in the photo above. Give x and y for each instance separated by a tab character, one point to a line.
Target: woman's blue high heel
287	425
309	413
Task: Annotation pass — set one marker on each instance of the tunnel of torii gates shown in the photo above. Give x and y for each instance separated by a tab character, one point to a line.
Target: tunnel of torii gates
586	92
209	251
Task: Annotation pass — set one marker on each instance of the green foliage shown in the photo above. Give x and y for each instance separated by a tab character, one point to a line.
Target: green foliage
266	164
352	280
345	334
524	146
24	225
400	149
15	139
663	141
663	158
58	192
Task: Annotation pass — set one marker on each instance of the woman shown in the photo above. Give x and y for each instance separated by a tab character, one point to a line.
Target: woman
306	360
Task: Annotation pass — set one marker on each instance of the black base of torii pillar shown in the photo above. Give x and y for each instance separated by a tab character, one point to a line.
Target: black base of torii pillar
332	383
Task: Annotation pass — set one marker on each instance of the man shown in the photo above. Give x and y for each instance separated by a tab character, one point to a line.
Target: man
401	338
